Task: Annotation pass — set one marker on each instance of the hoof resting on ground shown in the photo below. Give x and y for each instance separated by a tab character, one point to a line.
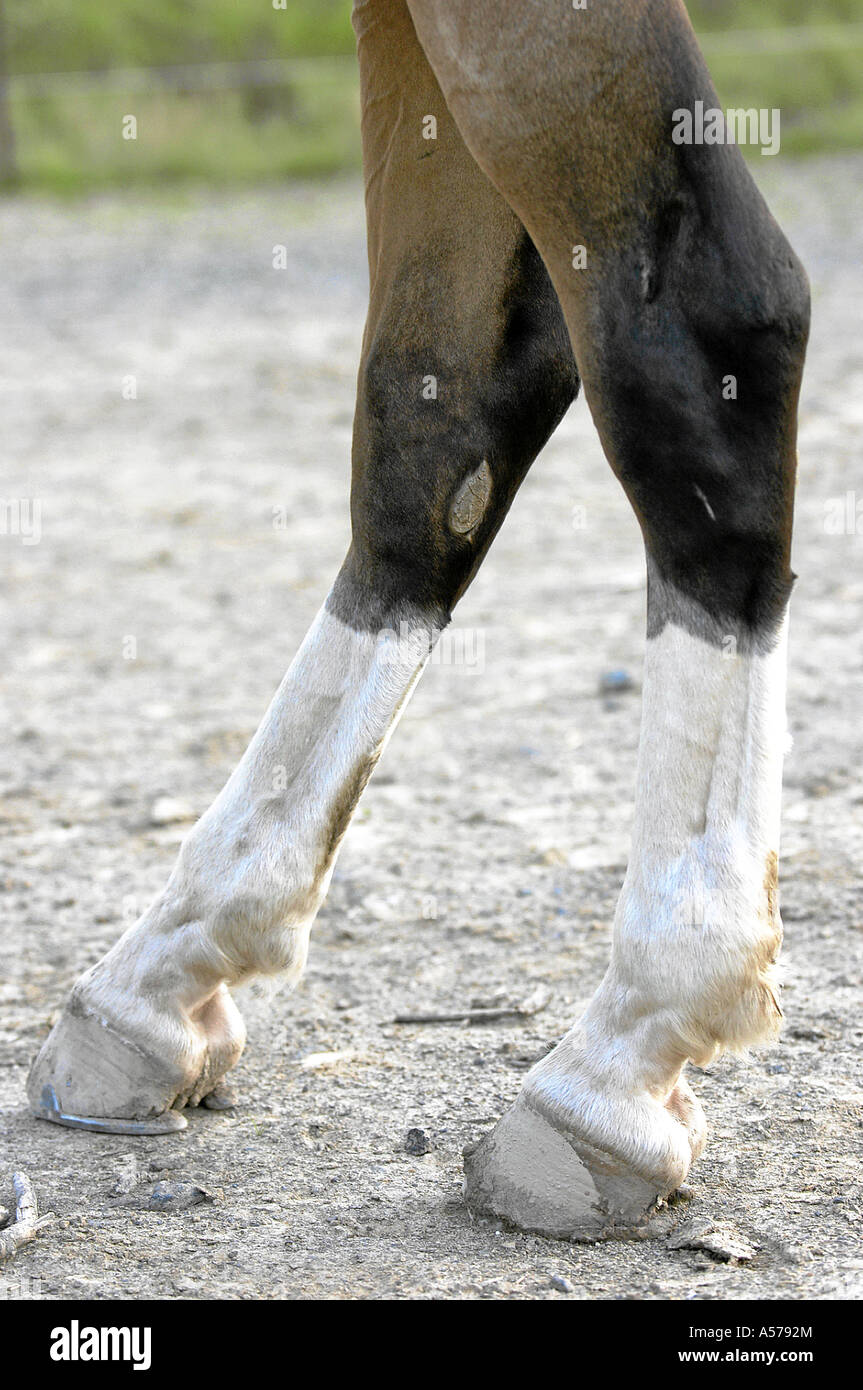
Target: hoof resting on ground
49	1109
534	1177
89	1075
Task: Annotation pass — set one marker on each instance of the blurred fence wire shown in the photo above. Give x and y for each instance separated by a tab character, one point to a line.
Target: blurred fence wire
275	72
186	77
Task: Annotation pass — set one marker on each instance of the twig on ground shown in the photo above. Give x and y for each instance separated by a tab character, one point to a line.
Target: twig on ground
28	1223
526	1009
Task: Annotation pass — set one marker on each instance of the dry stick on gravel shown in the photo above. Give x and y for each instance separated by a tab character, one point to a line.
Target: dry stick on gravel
28	1223
532	1005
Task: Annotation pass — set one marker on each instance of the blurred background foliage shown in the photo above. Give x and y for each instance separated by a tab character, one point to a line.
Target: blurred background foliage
239	91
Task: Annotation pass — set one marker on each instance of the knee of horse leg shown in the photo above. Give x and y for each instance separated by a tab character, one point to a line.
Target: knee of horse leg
448	422
699	376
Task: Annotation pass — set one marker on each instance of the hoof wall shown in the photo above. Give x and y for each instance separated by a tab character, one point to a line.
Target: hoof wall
540	1180
49	1109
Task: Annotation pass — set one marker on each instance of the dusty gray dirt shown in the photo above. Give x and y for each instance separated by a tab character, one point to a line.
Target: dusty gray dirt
205	520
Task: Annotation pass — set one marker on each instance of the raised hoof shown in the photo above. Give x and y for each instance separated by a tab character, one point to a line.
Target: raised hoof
536	1178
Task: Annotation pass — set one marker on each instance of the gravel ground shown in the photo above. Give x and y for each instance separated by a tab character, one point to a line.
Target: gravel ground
186	539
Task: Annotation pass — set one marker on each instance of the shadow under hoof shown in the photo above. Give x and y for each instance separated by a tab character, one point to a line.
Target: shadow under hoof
537	1179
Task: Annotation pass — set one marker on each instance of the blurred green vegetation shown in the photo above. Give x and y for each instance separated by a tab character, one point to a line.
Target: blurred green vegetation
56	36
719	16
818	89
67	131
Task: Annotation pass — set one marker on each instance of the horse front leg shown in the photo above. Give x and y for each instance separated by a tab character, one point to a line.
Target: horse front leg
463	377
688	316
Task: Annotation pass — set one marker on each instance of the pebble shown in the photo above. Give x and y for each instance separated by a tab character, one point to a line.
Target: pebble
418	1142
168	1197
615	682
379	909
319	1061
168	810
718	1239
562	1284
126	1175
